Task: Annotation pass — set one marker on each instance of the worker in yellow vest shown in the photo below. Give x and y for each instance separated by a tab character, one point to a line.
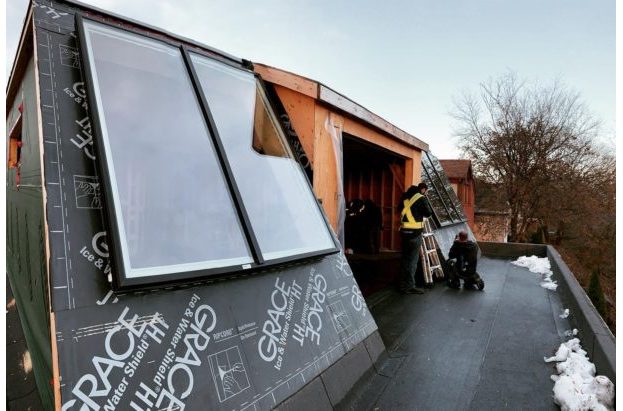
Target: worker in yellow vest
415	207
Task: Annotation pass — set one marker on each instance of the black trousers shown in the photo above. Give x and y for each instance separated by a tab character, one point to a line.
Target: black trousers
411	242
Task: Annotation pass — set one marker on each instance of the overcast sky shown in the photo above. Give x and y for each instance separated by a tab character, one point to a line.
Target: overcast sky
403	60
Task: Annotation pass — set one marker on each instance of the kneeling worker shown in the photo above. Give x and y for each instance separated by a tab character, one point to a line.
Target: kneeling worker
463	257
415	208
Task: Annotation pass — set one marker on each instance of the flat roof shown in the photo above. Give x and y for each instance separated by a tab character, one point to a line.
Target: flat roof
468	349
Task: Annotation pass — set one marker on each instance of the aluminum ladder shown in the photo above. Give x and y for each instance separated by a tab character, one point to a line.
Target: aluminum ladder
429	255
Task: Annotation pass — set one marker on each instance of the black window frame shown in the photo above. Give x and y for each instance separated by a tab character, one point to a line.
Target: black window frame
455	203
447	186
119	280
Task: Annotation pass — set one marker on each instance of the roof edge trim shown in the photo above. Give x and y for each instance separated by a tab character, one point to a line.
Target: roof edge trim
335	99
140	24
316	90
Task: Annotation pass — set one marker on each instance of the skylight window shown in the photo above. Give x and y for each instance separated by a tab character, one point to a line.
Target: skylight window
283	212
445	204
186	197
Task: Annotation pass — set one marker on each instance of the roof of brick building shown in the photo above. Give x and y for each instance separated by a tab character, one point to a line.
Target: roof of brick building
457	168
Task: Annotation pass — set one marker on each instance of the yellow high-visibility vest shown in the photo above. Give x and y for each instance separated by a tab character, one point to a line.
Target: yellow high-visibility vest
406	217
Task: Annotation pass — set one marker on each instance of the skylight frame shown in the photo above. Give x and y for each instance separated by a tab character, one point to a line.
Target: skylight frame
118	251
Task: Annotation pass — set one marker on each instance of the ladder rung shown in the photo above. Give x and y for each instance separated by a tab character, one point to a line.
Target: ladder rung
435	267
431	251
427	234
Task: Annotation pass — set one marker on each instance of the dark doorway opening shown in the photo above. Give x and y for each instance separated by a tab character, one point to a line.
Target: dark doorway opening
373	183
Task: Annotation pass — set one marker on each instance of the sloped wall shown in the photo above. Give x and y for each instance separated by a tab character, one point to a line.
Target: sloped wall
25	263
248	342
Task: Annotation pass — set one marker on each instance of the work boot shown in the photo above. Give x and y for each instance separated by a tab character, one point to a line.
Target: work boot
413	290
468	285
456	284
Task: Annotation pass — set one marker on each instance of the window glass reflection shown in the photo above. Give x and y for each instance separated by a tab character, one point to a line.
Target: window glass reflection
283	213
433	196
173	209
449	196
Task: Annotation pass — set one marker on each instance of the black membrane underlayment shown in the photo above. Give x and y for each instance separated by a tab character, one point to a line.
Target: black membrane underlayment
467	350
244	342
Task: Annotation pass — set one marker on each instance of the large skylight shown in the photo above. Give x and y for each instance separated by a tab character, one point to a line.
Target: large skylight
445	204
183	202
283	212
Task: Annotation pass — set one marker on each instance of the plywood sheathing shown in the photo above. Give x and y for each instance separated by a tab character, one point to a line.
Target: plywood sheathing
322	93
288	80
310	116
300	108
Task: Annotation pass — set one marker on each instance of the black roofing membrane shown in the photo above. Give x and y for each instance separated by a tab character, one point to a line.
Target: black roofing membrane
466	349
243	343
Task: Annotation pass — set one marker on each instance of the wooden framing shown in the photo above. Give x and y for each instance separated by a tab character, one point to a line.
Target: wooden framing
313	108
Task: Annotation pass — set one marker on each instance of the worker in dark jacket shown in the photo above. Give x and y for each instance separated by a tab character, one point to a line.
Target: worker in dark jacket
415	208
463	256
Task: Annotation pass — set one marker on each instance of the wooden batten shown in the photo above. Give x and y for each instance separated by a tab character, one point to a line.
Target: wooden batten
325	171
55	366
56	375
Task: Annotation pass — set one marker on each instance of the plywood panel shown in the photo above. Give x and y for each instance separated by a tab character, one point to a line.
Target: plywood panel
368	134
413	169
325	171
283	78
386	209
349	186
300	109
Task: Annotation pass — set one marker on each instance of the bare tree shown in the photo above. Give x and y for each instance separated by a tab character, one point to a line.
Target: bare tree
526	139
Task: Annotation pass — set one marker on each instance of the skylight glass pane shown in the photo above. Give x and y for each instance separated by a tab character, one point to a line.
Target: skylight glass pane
449	196
172	207
283	212
433	196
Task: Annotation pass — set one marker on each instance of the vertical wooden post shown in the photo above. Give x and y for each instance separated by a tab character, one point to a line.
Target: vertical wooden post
325	167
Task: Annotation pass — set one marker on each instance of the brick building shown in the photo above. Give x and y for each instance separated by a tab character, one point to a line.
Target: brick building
459	173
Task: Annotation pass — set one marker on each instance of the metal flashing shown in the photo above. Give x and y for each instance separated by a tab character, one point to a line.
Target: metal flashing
335	99
146	26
